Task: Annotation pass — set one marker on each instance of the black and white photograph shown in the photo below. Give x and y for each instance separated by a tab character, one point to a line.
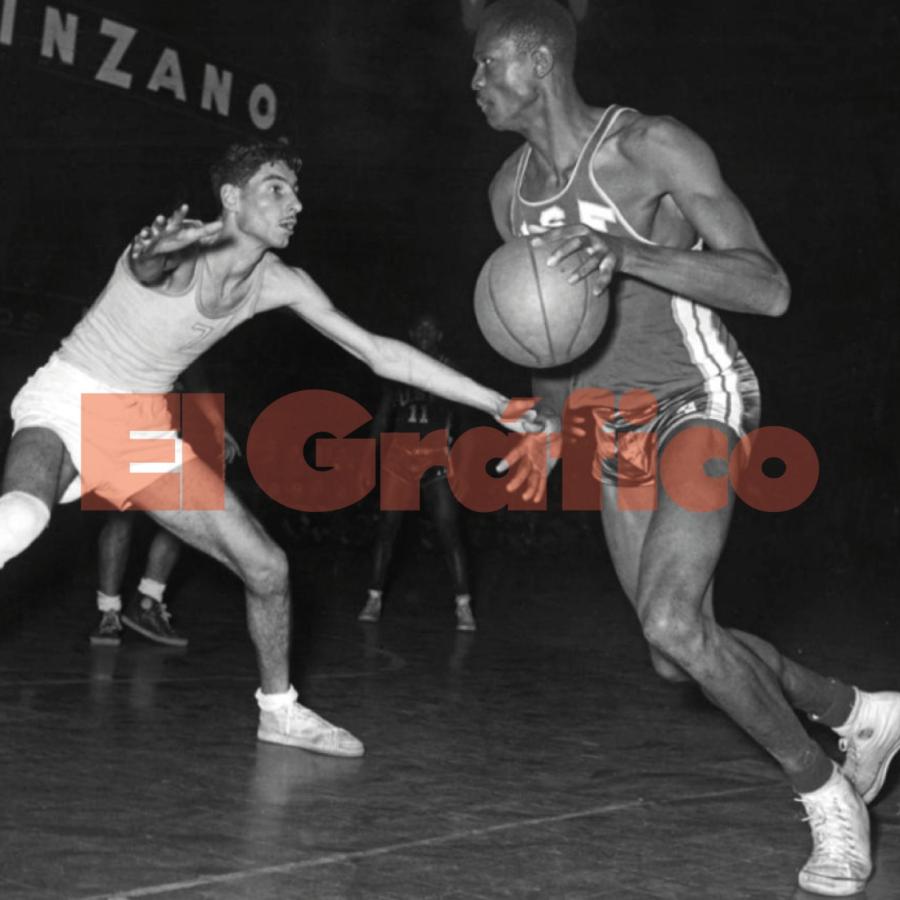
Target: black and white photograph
450	450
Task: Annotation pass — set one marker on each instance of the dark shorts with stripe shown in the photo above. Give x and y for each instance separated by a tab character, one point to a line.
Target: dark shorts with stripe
624	457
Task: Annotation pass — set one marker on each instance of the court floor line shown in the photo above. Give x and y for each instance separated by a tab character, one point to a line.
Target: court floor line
435	840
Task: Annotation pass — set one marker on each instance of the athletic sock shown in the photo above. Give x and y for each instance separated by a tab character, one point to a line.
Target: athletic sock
109	602
149	587
22	518
272	702
462	599
840	705
815	774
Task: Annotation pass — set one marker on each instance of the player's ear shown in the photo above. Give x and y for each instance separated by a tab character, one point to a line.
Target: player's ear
228	196
542	58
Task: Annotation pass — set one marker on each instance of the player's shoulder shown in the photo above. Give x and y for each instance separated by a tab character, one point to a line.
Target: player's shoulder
651	138
284	284
504	180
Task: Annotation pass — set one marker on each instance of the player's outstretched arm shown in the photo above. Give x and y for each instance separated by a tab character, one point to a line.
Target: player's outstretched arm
387	357
738	272
157	247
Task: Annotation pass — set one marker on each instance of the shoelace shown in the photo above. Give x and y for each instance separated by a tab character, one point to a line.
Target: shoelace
833	835
163	611
851	748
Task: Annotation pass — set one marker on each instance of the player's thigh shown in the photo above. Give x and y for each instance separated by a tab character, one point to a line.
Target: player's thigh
687	530
625	531
38	463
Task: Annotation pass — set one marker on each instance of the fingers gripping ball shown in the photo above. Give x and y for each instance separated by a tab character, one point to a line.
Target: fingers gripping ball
528	311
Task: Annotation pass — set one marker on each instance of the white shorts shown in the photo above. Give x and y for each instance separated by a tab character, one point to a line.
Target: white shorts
52	399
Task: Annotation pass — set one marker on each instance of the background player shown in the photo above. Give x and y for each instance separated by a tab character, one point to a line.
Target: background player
146	613
405	409
636	197
180	287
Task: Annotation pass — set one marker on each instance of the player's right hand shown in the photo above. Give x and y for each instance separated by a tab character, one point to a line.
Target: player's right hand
165	235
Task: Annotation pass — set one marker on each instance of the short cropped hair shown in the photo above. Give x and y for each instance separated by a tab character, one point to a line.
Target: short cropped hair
530	23
242	159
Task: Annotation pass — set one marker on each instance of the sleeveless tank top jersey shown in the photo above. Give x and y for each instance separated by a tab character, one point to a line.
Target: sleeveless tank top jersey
139	340
654	340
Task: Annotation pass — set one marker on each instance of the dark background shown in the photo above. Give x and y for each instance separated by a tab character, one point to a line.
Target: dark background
799	100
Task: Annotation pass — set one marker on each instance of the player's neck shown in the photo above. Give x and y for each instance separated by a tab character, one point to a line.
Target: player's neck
231	264
236	257
558	132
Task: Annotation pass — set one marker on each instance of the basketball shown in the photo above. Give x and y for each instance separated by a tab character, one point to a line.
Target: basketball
528	311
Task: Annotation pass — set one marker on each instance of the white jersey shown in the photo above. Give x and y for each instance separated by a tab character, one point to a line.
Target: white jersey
139	340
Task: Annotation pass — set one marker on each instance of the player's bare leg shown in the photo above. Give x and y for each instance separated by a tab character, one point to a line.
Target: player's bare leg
37	470
113	547
234	537
674	557
444	513
388	529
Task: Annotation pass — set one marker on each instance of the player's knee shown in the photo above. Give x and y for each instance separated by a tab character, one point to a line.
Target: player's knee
666	669
22	518
672	634
268	575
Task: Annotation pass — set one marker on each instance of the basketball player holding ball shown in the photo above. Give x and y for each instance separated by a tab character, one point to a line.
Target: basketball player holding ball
640	202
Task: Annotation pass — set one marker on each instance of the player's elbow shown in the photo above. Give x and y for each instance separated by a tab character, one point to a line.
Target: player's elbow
780	295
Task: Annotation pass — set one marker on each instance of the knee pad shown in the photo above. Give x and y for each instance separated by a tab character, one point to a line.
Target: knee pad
22	518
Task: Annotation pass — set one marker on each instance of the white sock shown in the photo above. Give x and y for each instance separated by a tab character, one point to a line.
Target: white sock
273	702
374	594
22	518
109	602
463	599
149	587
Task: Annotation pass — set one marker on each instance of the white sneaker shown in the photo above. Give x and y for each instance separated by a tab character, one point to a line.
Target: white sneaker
465	621
297	726
371	612
841	862
871	739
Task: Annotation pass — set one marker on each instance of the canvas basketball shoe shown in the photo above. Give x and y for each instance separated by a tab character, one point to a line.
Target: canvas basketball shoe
152	619
285	721
371	612
465	620
871	739
841	862
109	631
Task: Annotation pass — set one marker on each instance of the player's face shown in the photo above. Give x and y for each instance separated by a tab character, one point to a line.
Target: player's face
504	81
426	335
269	206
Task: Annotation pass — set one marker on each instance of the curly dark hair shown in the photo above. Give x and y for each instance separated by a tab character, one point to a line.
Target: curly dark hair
532	22
242	159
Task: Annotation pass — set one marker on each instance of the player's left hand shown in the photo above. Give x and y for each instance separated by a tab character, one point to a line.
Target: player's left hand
533	457
604	253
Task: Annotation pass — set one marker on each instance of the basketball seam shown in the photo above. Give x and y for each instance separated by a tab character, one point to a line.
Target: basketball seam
506	328
540	291
585	300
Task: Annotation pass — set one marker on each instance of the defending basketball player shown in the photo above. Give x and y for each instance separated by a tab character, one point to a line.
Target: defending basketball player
642	201
179	288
